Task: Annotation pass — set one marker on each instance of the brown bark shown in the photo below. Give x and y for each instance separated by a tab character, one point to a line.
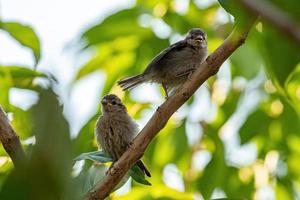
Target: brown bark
10	141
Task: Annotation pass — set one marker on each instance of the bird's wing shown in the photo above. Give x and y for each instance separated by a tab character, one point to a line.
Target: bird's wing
173	48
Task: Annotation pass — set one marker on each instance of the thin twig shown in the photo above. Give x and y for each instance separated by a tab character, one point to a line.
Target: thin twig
164	112
10	141
274	16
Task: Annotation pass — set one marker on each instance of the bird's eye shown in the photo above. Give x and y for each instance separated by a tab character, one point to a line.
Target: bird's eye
113	103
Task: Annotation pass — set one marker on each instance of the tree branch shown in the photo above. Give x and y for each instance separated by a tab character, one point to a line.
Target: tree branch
274	16
10	141
207	69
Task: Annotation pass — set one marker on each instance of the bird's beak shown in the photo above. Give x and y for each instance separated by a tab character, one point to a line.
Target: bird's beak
199	38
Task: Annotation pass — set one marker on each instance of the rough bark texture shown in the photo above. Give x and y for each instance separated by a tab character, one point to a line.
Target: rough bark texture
10	140
209	68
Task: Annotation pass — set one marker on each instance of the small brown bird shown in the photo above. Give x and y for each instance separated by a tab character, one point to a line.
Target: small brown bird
115	129
174	65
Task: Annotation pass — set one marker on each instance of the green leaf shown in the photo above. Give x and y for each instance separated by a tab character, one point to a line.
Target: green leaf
22	122
50	163
164	150
97	156
227	5
274	129
233	7
25	35
247	131
136	173
20	72
51	157
246	61
178	22
116	63
229	199
215	171
292	87
281	55
291	7
234	188
124	23
20	77
4	88
84	140
94	174
90	176
230	105
284	192
182	152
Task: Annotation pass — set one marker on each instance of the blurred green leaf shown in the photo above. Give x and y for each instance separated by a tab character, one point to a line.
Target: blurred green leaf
182	152
51	157
117	62
178	22
291	7
22	122
4	88
90	175
230	105
136	173
234	187
124	23
247	131
292	87
274	127
20	72
246	61
85	138
25	35
5	168
215	171
48	170
283	193
158	192
94	174
228	199
228	5
285	188
164	149
233	7
97	156
281	57
20	77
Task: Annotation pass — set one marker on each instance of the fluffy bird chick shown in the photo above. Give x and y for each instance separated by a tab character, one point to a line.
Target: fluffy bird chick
115	129
174	65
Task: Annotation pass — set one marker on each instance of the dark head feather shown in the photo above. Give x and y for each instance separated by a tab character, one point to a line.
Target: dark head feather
112	102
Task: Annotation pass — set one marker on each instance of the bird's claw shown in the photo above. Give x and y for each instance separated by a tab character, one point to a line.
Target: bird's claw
112	170
190	76
130	145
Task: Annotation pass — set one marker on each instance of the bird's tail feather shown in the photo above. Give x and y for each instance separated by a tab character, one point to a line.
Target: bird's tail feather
131	82
142	166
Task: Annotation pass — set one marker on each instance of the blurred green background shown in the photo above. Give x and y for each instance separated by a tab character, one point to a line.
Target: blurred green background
236	138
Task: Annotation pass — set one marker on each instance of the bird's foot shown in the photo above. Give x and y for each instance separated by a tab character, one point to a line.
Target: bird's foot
130	145
166	90
158	109
190	76
112	170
